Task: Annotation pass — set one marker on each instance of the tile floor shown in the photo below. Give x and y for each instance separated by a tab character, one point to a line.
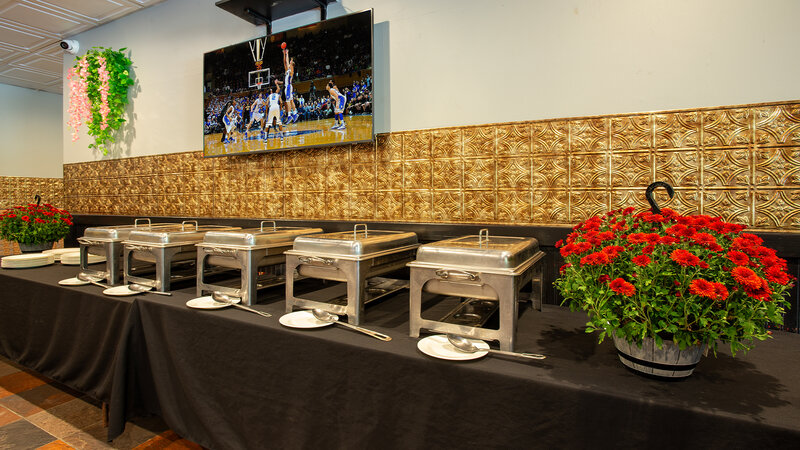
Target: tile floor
39	413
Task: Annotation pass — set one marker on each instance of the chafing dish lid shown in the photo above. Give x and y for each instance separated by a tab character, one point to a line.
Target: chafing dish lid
187	234
121	232
354	243
257	236
501	252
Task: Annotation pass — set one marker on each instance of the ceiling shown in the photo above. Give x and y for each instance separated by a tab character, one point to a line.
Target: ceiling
30	32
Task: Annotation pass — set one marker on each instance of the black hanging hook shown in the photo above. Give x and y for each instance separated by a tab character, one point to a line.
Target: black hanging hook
649	194
38	199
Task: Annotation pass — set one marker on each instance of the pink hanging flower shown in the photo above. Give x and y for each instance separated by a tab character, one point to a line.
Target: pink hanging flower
102	73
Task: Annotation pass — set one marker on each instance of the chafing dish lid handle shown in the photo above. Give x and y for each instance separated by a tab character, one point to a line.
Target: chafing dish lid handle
483	237
355	230
183	224
136	222
274	225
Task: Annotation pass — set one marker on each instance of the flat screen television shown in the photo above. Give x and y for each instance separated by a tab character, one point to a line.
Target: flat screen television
306	87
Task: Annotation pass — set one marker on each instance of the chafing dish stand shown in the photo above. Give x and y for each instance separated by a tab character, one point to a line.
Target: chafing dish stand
483	272
166	249
357	258
107	241
257	253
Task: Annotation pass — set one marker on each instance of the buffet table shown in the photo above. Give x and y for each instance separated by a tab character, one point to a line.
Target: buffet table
231	379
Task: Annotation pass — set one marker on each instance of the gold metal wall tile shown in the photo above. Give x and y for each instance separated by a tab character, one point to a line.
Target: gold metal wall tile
446	143
588	135
317	178
733	205
363	153
295	204
729	168
294	158
589	171
631	132
389	147
389	205
337	177
550	206
205	205
273	204
337	206
514	140
685	201
587	203
417	205
777	125
274	180
514	173
678	168
448	174
362	205
479	206
479	173
274	160
677	130
362	177
777	208
551	172
549	138
338	155
776	166
633	169
417	174
417	145
448	206
390	176
514	206
479	142
727	127
296	179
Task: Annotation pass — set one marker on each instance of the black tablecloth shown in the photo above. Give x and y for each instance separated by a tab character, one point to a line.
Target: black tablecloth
69	334
232	379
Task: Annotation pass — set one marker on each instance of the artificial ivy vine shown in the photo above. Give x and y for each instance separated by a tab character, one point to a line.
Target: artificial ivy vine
98	85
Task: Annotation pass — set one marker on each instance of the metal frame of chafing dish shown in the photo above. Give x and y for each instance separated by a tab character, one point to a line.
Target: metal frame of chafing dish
502	286
163	254
248	260
112	249
355	271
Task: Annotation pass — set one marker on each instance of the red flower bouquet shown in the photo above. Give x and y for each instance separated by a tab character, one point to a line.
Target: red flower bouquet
691	279
34	224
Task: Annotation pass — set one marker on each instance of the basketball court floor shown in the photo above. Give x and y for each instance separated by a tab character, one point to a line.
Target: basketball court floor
313	133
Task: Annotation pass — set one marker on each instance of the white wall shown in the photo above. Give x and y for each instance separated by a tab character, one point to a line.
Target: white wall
30	133
453	62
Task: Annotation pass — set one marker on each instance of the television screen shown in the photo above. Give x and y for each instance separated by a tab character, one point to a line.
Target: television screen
306	87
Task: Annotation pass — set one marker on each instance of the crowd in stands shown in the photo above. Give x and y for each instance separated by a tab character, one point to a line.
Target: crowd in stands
312	107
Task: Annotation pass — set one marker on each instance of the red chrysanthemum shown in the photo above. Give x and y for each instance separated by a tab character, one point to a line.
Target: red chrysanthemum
703	288
595	259
641	260
684	258
704	239
564	267
621	286
746	277
738	258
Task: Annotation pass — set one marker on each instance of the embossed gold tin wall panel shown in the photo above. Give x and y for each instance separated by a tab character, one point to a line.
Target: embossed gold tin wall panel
740	162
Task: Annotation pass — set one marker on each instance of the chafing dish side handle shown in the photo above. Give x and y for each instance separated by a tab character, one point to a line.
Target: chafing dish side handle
445	274
311	259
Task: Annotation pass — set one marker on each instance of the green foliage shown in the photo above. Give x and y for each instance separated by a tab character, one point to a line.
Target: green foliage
33	224
702	280
117	65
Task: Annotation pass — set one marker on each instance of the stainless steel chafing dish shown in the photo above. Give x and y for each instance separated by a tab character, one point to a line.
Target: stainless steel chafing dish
257	253
356	258
486	273
171	252
107	241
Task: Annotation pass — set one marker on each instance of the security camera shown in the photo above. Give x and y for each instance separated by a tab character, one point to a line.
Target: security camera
70	46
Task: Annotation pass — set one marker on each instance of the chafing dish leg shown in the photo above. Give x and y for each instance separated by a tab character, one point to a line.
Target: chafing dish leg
356	284
249	276
509	309
418	278
291	265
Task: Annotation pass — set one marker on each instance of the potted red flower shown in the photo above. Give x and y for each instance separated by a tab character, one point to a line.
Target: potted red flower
34	227
665	286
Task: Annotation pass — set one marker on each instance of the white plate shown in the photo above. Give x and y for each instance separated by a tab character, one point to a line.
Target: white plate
302	319
439	347
120	291
57	252
74	281
209	303
73	258
26	260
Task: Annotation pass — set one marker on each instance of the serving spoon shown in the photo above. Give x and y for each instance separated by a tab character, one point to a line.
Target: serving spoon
143	288
228	300
464	345
94	280
325	316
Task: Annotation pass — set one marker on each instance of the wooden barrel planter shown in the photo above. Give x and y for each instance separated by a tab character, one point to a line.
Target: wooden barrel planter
666	362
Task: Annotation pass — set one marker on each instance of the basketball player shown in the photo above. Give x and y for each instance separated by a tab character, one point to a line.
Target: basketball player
288	65
339	101
228	120
256	114
274	105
